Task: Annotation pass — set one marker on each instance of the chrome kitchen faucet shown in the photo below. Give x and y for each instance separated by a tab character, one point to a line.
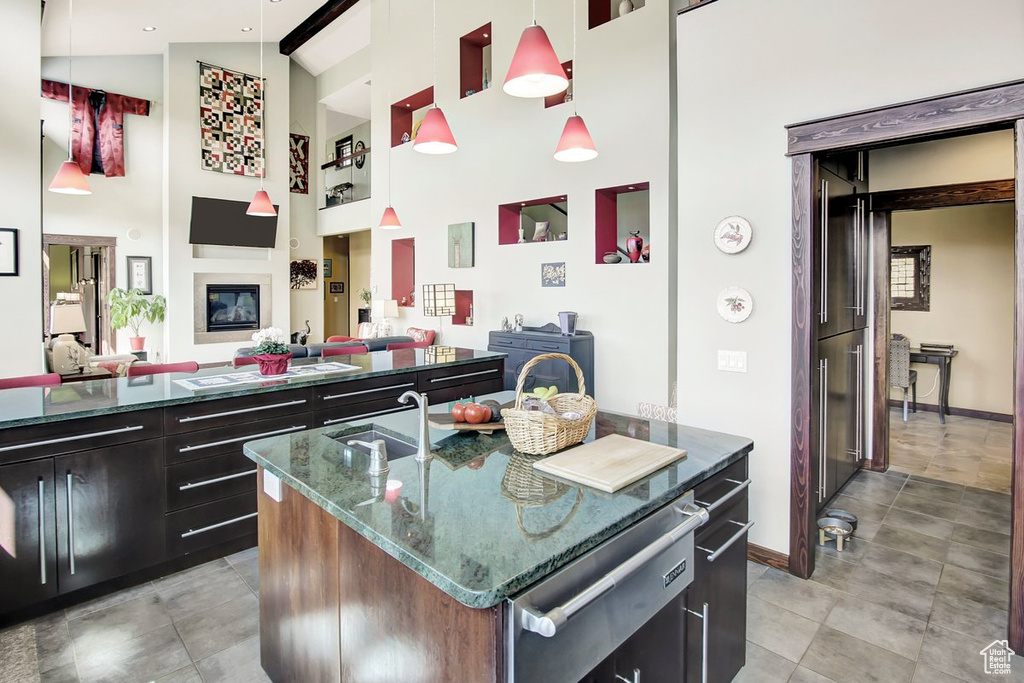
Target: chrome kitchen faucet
423	453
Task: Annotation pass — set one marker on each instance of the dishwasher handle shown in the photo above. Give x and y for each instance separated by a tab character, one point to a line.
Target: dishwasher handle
548	624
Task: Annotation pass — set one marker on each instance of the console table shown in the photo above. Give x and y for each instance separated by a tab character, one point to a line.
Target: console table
531	342
944	360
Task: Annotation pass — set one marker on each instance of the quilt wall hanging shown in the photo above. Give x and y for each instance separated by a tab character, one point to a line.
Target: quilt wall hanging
298	164
230	121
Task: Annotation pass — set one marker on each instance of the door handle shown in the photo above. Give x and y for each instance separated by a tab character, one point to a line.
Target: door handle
822	426
42	532
823	308
740	486
715	554
70	479
634	679
703	616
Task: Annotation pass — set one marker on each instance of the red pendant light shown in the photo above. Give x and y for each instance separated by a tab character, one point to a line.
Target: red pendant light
261	204
575	143
69	178
435	136
389	221
535	69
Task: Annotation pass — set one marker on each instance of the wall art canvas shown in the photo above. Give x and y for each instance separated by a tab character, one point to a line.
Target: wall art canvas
305	274
298	164
140	273
460	245
552	274
328	268
230	121
337	288
8	251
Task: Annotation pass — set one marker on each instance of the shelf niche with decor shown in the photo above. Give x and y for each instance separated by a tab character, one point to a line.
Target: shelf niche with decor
403	271
463	307
560	98
518	220
600	12
618	211
405	113
475	72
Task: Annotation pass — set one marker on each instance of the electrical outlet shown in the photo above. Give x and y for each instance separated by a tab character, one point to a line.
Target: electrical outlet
732	361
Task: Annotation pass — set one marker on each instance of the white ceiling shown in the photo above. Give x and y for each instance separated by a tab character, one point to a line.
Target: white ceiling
346	35
353	99
114	27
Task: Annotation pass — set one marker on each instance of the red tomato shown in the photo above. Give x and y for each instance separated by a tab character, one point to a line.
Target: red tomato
459	412
477	414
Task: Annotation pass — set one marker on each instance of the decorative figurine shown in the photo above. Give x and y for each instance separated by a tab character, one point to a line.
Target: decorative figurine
519	322
505	327
634	246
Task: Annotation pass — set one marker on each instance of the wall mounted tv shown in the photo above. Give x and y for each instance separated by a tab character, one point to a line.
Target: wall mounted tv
224	222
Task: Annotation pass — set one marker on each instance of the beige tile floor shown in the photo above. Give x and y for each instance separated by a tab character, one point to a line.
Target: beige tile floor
963	451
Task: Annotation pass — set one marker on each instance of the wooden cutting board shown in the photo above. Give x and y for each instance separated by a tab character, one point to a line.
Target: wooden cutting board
445	421
611	462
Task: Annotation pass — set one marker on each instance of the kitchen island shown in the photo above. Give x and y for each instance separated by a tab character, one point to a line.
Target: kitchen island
414	581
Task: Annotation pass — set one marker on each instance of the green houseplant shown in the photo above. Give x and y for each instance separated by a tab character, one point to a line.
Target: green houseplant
129	308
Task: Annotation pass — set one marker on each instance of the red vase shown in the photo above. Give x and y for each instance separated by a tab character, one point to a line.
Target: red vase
273	363
634	245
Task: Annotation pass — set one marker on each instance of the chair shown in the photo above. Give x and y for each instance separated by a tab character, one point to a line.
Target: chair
159	369
334	338
240	361
406	345
344	350
50	380
900	374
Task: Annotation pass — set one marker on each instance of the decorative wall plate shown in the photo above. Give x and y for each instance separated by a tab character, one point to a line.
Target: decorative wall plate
735	304
733	234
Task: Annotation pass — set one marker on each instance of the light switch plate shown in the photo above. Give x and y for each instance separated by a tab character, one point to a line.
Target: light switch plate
732	361
272	485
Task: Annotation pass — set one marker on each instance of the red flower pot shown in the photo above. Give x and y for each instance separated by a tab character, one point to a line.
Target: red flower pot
273	363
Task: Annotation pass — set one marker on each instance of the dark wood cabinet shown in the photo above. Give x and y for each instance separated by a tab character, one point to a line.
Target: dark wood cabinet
655	652
28	543
522	346
110	510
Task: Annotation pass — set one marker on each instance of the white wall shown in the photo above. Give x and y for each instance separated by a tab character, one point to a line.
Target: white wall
746	69
359	177
184	178
306	304
21	344
117	205
965	159
505	155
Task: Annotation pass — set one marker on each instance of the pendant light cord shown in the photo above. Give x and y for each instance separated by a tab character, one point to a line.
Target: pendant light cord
534	12
575	69
71	95
388	90
263	112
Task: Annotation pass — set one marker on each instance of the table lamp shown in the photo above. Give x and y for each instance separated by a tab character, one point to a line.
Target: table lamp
69	357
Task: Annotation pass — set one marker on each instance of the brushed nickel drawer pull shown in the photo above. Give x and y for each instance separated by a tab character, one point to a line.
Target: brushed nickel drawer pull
703	615
247	437
66	439
42	533
240	411
71	522
203	530
740	486
469	374
207	482
715	554
370	391
359	417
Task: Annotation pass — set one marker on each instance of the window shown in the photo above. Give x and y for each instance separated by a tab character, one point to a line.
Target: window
909	278
343	149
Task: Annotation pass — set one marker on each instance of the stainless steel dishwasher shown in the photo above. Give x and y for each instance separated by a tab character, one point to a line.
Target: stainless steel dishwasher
560	628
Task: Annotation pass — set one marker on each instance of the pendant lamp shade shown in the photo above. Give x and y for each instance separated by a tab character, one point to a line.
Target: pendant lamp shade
70	180
575	143
261	205
435	135
389	221
535	69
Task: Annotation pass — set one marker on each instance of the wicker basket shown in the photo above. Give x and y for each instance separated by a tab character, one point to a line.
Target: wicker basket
539	433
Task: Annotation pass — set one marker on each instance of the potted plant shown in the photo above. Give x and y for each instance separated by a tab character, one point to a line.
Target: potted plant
271	353
364	311
130	308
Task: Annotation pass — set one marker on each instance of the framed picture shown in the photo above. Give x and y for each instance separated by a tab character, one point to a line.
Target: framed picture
328	269
337	288
552	274
304	273
8	251
140	273
460	245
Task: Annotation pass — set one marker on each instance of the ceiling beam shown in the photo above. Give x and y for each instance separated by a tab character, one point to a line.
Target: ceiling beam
937	196
313	24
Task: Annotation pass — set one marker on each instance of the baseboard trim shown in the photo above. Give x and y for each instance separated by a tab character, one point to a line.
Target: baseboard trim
772	558
962	412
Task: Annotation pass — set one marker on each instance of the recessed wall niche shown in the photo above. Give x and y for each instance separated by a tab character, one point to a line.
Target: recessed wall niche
475	72
534	220
565	95
403	271
618	212
602	11
405	113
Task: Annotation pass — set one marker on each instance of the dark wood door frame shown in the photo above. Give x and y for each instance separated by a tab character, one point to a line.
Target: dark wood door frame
999	106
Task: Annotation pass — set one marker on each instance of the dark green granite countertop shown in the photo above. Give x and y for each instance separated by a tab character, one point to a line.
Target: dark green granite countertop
33	405
493	525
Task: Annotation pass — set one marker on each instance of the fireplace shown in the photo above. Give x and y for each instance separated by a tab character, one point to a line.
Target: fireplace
232	307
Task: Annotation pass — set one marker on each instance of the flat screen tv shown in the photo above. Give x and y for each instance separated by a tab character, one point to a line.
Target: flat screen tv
224	222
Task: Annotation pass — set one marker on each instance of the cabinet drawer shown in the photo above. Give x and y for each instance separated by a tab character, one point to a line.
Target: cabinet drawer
506	341
55	438
202	481
229	411
549	345
722	490
363	391
211	524
476	389
210	442
359	411
443	378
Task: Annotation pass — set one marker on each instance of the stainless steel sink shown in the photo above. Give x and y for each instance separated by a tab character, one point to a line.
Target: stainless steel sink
396	448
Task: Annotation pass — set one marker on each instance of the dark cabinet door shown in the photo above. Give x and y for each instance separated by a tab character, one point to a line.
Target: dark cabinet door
110	512
28	544
841	404
839	259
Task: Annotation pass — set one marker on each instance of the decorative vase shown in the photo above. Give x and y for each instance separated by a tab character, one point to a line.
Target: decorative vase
625	7
273	363
540	231
612	257
521	238
138	343
634	246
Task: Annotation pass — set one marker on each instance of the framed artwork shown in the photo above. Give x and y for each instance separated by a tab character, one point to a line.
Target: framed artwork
230	121
910	278
328	269
361	159
9	251
337	288
304	273
552	274
460	245
140	273
732	235
298	160
735	304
